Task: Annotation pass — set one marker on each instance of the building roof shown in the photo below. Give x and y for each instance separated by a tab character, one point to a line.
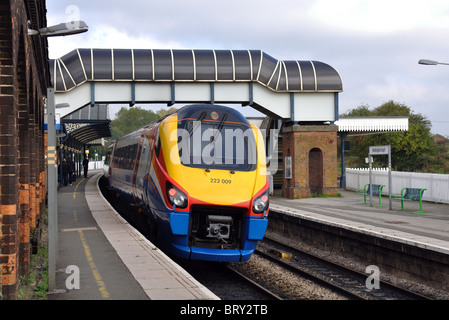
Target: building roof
81	65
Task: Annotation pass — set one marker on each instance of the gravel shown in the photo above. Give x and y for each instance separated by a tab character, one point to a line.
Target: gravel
285	283
360	267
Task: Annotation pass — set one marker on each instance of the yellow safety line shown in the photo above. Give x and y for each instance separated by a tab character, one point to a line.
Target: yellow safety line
101	285
74	192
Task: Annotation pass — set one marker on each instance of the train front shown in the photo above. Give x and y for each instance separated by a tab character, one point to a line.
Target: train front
217	188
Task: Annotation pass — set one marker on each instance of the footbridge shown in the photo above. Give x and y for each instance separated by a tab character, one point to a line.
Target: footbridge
301	94
300	91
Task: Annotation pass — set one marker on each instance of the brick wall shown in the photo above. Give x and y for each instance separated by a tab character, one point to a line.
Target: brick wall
22	175
8	159
302	143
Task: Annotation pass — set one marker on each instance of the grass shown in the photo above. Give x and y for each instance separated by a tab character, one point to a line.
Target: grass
34	286
319	195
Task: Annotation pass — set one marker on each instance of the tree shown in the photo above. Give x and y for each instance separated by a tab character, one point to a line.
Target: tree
411	150
164	112
130	119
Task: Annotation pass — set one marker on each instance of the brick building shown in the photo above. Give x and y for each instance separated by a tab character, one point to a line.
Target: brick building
24	78
313	150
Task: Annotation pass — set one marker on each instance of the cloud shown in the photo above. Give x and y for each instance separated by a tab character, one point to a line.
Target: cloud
106	36
395	86
375	45
381	16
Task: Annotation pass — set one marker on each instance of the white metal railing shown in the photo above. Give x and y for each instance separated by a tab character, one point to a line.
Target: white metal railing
437	185
93	165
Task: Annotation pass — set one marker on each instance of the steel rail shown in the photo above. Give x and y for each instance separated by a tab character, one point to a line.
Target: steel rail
353	292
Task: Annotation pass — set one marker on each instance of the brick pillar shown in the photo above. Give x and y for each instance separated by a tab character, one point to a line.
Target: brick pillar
37	176
20	168
34	161
34	157
313	150
8	158
8	170
42	152
25	139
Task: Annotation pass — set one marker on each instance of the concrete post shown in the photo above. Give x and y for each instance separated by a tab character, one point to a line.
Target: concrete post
52	191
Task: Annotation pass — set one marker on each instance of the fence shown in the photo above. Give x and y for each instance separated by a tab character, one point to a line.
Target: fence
96	165
437	185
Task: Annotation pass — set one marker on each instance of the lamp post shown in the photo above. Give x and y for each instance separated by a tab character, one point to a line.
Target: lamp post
430	62
61	29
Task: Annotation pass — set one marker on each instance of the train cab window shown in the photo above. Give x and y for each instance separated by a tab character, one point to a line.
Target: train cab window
217	145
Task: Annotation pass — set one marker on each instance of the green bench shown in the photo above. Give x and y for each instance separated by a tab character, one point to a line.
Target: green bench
410	194
377	191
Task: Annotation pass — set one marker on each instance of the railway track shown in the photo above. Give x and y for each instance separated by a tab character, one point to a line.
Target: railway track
231	284
269	293
349	283
225	281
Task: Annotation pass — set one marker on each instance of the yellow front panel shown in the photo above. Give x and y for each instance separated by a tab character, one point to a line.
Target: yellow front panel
219	187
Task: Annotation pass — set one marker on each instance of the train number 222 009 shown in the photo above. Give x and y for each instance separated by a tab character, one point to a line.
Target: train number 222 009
224	181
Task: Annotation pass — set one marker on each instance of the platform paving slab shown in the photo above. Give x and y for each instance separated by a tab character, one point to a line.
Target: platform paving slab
112	256
427	230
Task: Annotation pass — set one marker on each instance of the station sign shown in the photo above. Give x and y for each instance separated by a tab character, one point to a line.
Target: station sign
374	151
379	150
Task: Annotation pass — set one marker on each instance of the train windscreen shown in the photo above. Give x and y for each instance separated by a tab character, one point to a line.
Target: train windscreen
217	144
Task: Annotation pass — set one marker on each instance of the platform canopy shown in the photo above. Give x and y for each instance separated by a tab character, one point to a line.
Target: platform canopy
359	126
86	127
356	126
282	88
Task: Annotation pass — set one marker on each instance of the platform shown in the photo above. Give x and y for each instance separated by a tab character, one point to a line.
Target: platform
114	260
427	230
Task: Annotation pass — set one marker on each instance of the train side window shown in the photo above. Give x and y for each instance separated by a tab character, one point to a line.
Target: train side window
108	158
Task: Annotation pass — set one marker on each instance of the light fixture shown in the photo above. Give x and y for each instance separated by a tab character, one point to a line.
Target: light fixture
430	62
62	29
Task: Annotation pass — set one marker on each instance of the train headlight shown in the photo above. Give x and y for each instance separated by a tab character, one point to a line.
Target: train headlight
176	197
260	204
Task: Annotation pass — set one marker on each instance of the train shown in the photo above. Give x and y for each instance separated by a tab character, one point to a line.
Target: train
198	177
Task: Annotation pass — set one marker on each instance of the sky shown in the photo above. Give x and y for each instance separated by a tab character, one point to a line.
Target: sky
375	45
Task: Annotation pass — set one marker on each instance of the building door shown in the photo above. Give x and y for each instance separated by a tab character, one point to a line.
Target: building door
316	171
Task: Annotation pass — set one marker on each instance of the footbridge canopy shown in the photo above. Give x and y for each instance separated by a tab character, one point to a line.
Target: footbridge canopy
301	91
